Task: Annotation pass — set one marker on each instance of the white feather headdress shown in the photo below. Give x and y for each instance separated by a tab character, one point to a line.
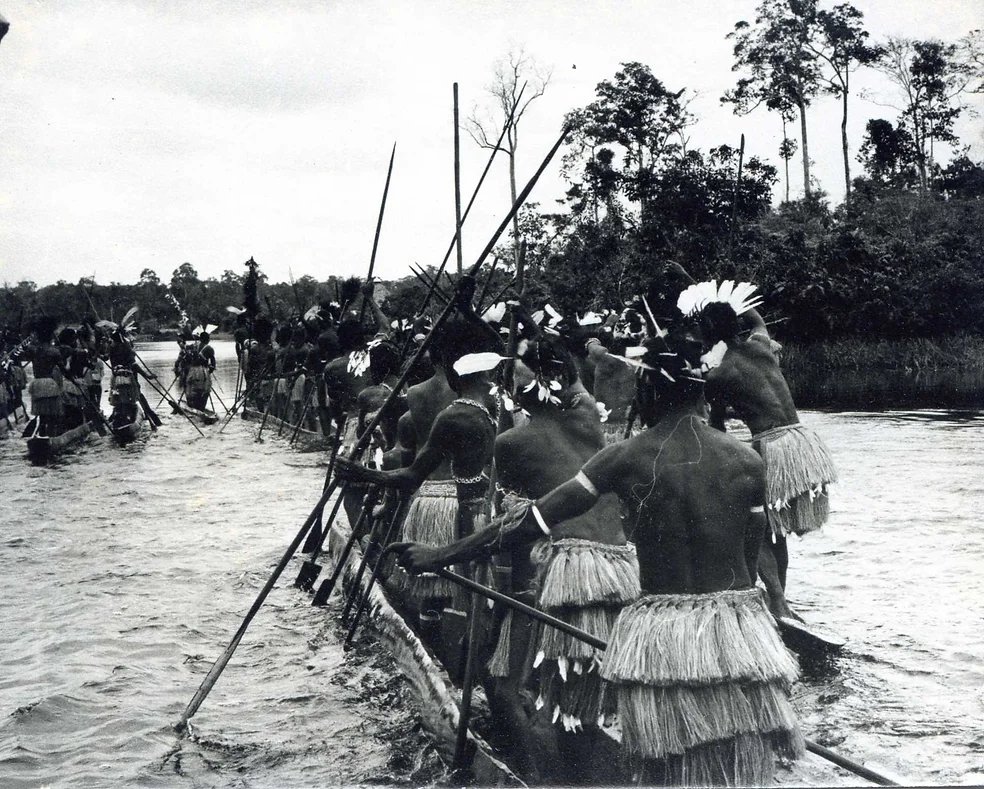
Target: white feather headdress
741	296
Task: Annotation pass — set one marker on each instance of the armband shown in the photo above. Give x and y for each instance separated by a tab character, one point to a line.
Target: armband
538	516
586	483
759	508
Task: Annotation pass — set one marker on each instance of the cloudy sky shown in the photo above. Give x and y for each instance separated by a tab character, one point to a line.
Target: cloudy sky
145	133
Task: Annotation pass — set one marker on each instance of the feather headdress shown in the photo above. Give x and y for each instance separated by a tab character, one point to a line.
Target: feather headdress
206	328
472	363
740	296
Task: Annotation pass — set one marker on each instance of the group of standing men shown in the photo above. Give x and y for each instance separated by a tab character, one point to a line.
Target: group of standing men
498	462
68	367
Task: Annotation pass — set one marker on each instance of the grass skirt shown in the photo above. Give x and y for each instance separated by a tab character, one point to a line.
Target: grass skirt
586	584
702	683
46	397
798	469
432	519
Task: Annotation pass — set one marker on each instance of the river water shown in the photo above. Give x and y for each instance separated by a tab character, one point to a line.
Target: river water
126	571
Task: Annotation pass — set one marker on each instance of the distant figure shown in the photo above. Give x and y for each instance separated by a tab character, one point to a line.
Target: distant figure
198	379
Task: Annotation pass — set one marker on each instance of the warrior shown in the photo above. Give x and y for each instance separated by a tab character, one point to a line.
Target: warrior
46	388
260	363
461	441
583	574
96	366
75	365
124	387
698	669
198	379
744	375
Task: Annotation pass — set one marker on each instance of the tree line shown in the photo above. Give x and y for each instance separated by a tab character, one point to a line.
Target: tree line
901	256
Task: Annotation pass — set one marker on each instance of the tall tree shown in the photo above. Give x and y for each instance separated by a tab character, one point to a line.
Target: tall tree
930	78
635	116
887	152
518	80
842	43
778	66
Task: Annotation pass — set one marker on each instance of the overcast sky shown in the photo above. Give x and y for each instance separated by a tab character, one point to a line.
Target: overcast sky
145	133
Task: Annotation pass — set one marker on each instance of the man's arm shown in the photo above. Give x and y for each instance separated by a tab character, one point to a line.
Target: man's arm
444	436
520	525
756	524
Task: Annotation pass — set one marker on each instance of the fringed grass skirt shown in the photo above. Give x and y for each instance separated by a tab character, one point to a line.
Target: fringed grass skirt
46	397
702	683
798	469
432	519
586	584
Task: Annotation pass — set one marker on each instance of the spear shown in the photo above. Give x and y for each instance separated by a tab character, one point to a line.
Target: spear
362	442
379	226
457	181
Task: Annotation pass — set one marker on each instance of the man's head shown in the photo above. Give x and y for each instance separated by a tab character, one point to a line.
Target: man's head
459	337
544	372
718	321
671	373
351	335
203	338
384	361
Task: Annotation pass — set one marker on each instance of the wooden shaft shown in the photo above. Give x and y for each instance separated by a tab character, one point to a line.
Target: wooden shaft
457	180
379	226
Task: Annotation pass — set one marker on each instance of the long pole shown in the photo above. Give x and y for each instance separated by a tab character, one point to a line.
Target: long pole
379	226
581	635
478	186
457	181
361	443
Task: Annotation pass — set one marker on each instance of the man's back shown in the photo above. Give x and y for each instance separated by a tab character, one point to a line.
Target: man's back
750	381
691	489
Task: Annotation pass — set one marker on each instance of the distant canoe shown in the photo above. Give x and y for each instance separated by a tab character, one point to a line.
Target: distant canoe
308	439
127	432
205	417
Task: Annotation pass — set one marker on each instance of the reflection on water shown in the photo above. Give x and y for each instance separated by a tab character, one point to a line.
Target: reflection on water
127	570
876	389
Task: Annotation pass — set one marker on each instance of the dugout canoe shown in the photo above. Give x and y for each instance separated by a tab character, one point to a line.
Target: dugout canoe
306	439
128	431
205	417
436	697
42	448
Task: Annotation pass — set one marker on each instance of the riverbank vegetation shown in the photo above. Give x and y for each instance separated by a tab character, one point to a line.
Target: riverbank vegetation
891	278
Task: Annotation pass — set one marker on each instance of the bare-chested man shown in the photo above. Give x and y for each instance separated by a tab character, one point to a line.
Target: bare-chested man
700	673
460	440
744	375
586	571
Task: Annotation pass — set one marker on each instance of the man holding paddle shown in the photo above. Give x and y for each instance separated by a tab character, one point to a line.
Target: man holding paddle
700	674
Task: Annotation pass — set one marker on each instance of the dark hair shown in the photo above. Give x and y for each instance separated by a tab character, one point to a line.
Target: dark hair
549	358
673	379
284	333
384	360
459	337
262	330
351	335
718	321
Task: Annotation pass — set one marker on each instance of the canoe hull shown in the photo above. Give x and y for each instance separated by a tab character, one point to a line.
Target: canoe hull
43	448
308	439
436	697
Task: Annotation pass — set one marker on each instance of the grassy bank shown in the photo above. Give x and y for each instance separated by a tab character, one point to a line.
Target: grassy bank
877	374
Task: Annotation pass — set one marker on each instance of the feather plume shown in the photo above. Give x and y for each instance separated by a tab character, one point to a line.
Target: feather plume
235	310
495	313
741	296
128	318
478	362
